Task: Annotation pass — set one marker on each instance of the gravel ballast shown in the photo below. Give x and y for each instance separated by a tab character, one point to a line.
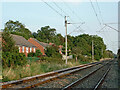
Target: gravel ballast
62	82
111	81
91	81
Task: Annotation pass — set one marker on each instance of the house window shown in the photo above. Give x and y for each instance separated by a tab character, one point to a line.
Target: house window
34	49
27	49
30	49
23	49
19	49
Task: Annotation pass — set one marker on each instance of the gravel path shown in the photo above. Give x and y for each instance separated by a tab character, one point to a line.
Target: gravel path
111	81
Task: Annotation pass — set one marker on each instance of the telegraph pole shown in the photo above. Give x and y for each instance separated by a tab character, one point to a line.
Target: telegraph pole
66	37
102	53
92	50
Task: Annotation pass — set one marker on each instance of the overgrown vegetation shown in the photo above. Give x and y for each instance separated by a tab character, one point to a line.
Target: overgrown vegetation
36	54
53	52
10	54
38	67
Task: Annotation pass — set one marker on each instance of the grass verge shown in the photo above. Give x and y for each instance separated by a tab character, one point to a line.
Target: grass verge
37	67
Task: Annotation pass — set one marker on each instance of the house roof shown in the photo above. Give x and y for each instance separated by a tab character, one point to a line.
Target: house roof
42	43
19	40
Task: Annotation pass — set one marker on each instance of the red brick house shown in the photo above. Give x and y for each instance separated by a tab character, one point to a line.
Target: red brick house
24	46
40	45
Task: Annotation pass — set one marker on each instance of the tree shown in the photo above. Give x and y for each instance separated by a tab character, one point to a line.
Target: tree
15	27
10	54
53	52
46	34
8	43
76	51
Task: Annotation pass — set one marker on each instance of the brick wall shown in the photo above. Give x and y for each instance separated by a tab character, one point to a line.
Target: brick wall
40	47
20	51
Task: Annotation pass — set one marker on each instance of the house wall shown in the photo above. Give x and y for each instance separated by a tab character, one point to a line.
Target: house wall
40	47
20	50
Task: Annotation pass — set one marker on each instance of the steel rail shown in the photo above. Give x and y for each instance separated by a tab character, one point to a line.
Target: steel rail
28	79
56	77
102	79
81	79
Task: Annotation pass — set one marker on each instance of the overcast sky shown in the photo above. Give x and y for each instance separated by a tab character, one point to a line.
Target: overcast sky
38	14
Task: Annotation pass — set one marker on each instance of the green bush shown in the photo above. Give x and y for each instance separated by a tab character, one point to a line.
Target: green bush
83	58
31	54
53	52
36	54
12	59
30	59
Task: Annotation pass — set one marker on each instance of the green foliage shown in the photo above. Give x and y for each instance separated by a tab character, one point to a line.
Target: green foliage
68	51
83	58
12	59
30	59
38	53
52	52
31	54
36	68
8	43
15	27
108	54
10	53
47	34
82	45
79	45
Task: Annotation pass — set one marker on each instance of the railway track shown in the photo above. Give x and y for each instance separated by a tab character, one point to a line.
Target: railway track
35	81
82	82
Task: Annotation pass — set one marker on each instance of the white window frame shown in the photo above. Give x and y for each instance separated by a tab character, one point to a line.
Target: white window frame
26	49
34	49
30	49
19	49
23	49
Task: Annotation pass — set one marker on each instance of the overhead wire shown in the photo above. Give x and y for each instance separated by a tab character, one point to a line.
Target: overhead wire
99	11
102	22
69	17
95	12
60	8
73	12
57	11
75	29
53	8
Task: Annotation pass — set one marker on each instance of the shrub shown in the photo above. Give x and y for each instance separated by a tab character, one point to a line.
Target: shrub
83	58
31	54
38	53
12	59
53	52
10	52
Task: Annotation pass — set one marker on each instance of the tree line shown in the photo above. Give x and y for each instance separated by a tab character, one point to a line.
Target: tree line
80	46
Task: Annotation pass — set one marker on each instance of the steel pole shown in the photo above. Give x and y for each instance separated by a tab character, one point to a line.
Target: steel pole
66	37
